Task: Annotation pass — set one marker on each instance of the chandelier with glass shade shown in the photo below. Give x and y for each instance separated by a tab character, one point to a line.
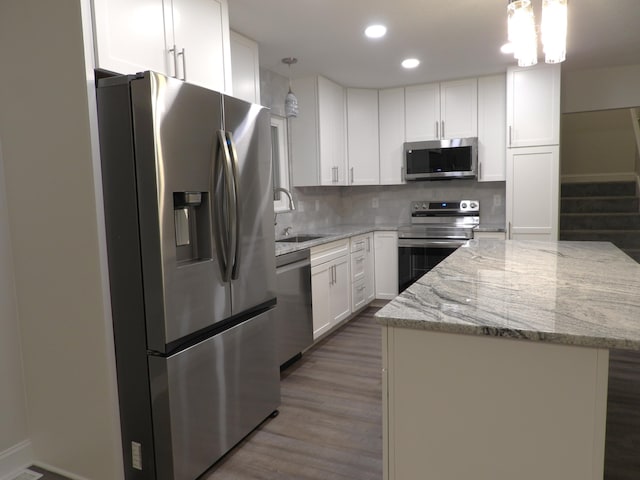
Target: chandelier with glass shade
523	32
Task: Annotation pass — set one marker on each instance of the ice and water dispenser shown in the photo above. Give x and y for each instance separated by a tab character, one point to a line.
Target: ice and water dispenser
192	220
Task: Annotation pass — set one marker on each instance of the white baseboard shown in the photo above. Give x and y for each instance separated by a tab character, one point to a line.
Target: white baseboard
15	459
59	471
600	177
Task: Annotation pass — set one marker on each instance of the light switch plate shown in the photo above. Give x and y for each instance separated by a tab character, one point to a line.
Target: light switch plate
374	202
497	200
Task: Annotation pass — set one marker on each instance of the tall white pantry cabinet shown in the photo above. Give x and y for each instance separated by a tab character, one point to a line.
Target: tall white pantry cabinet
533	152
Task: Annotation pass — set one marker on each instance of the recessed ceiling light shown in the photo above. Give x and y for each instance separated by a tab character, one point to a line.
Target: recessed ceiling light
507	48
410	63
375	31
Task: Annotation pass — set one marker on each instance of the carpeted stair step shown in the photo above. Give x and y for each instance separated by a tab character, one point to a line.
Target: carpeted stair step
600	221
616	204
598	189
633	253
623	239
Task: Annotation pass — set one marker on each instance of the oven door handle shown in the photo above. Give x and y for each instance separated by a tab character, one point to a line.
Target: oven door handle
431	243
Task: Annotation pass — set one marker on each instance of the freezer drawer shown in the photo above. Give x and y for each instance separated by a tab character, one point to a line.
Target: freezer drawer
208	397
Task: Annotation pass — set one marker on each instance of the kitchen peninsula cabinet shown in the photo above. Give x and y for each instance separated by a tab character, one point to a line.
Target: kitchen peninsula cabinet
442	110
186	39
512	366
330	285
318	133
362	136
391	131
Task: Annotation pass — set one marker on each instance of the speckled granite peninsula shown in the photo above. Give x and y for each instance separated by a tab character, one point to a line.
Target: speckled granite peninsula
577	293
495	363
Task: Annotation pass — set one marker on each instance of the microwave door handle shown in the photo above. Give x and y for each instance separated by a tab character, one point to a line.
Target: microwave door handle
235	220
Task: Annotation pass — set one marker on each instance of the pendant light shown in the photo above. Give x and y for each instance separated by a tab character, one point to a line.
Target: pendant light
290	101
554	30
522	32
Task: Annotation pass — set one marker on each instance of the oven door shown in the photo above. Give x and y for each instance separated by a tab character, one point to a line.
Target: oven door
418	256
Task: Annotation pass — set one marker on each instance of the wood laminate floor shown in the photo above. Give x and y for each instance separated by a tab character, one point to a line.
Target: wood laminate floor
330	422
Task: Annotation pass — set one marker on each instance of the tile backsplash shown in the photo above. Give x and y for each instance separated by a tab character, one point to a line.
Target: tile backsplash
319	207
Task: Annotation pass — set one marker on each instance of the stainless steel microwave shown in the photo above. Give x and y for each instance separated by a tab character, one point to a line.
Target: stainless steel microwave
441	159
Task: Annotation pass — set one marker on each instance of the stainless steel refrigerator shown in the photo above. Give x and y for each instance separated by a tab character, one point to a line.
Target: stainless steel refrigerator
189	222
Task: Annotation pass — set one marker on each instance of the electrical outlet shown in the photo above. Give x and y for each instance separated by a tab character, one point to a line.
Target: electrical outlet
497	200
374	202
300	206
317	205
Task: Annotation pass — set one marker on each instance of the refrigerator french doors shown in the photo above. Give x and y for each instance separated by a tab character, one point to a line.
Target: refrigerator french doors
188	211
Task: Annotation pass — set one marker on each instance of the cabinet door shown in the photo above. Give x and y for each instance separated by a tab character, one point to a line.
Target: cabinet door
386	264
532	193
533	106
130	35
321	277
245	68
422	112
362	136
492	148
332	128
340	291
459	109
201	36
391	130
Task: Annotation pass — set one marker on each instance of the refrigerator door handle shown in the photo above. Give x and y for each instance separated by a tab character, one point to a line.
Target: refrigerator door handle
235	219
227	247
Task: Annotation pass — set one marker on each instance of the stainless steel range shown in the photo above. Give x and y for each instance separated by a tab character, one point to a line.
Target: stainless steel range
437	229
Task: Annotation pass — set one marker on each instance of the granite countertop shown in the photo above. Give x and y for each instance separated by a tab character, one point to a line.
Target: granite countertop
575	293
329	234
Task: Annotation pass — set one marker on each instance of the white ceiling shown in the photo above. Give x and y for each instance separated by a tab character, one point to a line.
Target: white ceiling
453	38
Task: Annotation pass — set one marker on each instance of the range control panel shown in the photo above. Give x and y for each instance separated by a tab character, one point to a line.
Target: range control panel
452	208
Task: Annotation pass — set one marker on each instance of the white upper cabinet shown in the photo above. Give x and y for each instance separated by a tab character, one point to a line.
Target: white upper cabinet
130	35
391	132
533	106
186	39
441	110
422	112
318	133
245	68
459	109
362	136
491	132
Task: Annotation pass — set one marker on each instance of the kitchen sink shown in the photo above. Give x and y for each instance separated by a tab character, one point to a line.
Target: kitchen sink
299	238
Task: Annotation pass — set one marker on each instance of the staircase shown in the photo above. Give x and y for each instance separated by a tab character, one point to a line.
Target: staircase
607	211
611	212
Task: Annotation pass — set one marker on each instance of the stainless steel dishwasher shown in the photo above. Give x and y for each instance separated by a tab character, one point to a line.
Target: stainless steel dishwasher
294	318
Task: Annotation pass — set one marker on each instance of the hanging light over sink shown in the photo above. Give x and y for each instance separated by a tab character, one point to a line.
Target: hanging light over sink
290	101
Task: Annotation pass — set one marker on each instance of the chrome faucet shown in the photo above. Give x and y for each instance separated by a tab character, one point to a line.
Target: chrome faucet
288	194
292	207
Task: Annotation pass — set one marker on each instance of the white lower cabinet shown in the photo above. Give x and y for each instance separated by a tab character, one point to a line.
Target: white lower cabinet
362	271
386	265
330	285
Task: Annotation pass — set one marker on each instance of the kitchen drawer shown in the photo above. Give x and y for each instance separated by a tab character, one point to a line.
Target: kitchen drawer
358	265
359	296
329	251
